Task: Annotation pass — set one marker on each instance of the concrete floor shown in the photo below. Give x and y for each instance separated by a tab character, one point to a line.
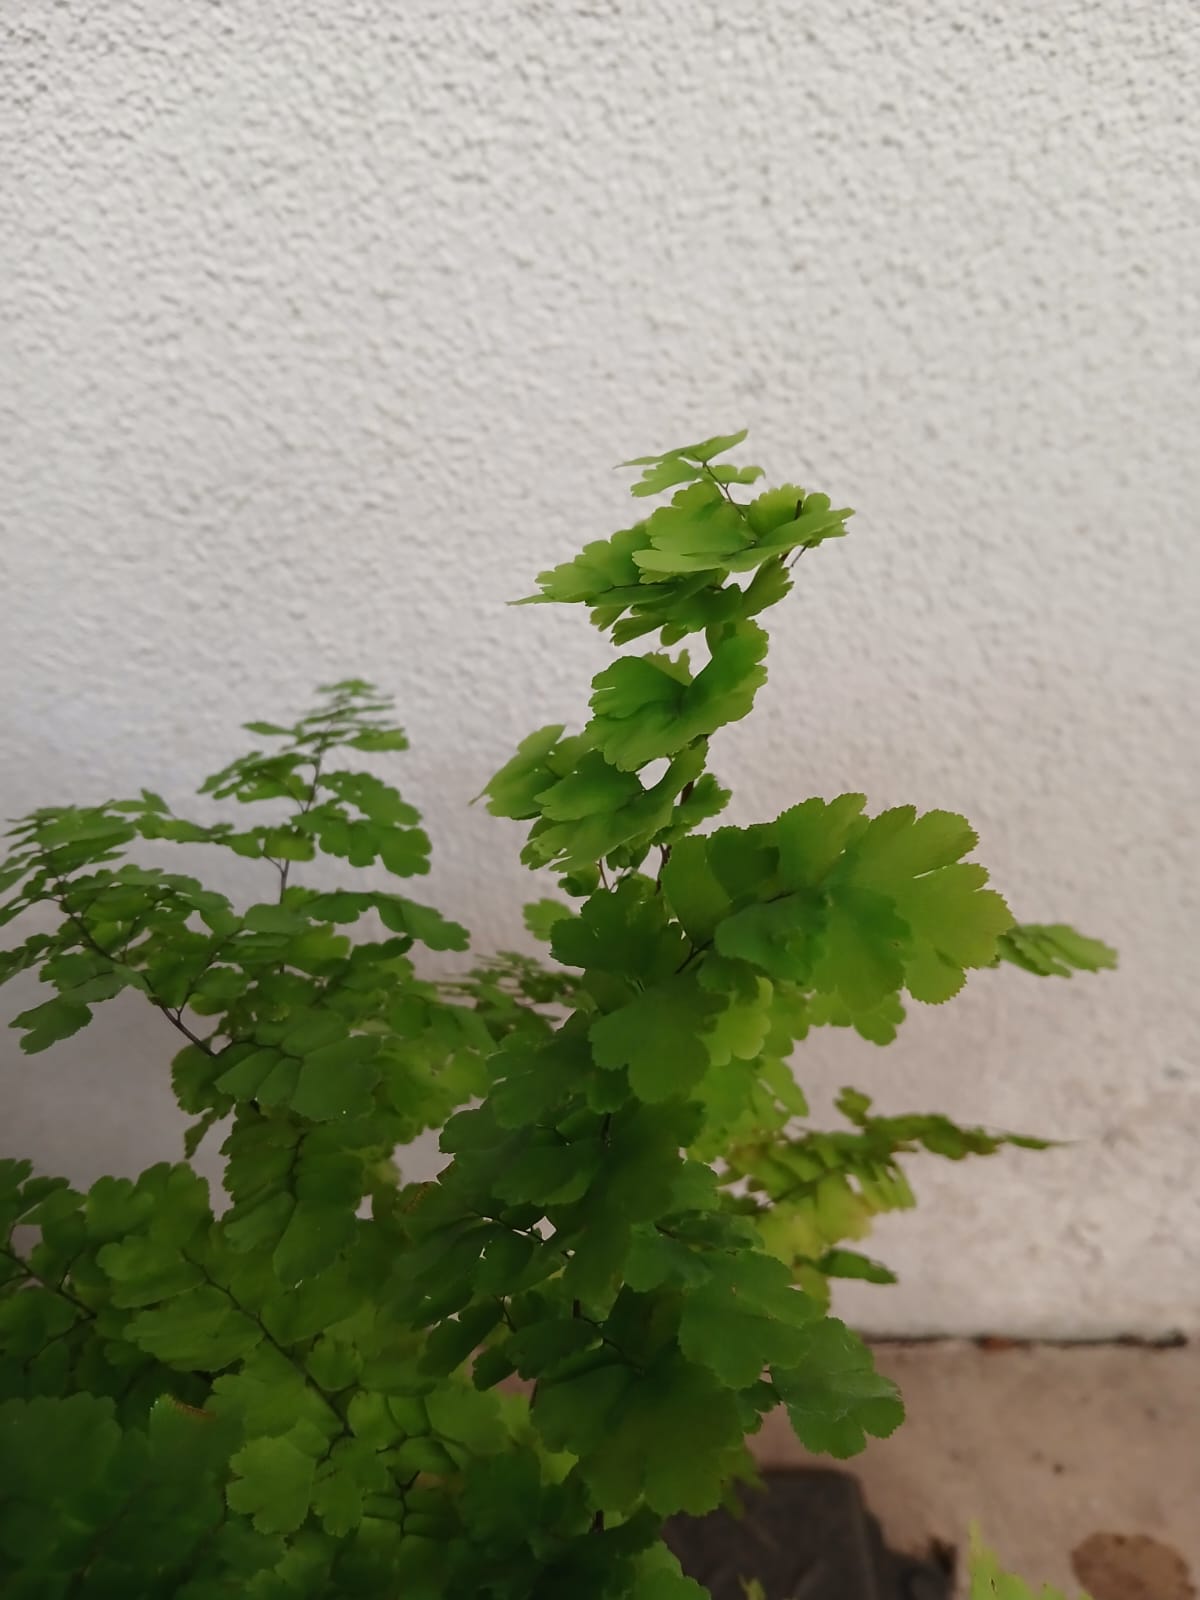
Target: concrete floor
1053	1450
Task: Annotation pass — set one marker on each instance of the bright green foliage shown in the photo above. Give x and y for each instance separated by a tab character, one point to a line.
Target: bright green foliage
990	1582
833	1394
301	1394
812	1190
1054	950
650	706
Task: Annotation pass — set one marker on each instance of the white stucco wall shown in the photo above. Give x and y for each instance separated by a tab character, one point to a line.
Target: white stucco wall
321	325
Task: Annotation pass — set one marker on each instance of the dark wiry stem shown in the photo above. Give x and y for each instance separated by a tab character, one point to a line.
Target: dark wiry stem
310	800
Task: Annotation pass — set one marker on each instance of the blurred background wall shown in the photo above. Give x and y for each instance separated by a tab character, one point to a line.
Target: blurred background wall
321	326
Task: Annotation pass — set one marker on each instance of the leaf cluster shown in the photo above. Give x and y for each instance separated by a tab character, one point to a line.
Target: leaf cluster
496	1385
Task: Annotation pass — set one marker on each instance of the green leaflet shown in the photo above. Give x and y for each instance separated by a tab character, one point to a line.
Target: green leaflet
670	1435
664	473
744	1316
273	1484
1054	950
199	1331
703	452
343	1485
51	1021
990	1582
834	1396
514	790
856	909
658	1036
649	706
697	532
629	826
851	1264
602	568
625	931
542	915
336	1080
742	1029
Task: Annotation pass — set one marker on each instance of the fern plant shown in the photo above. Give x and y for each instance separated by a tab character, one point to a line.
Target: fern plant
499	1384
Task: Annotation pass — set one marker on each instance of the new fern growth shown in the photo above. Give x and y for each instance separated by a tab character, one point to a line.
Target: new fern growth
989	1581
496	1385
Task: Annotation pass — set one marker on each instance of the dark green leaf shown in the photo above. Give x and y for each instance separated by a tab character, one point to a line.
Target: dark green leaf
833	1394
51	1021
274	1484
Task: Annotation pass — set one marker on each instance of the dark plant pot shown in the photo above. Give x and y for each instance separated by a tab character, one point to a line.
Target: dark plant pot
806	1535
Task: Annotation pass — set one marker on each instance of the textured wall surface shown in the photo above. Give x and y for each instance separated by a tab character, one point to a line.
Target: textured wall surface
321	325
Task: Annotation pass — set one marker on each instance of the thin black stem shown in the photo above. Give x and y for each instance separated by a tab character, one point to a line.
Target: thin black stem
85	933
46	1343
103	1535
741	510
51	1288
706	944
208	966
611	1344
693	953
310	800
297	1366
722	487
192	1564
685	794
176	1021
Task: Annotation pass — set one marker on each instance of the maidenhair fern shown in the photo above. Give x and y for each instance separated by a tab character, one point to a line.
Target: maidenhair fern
304	1392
